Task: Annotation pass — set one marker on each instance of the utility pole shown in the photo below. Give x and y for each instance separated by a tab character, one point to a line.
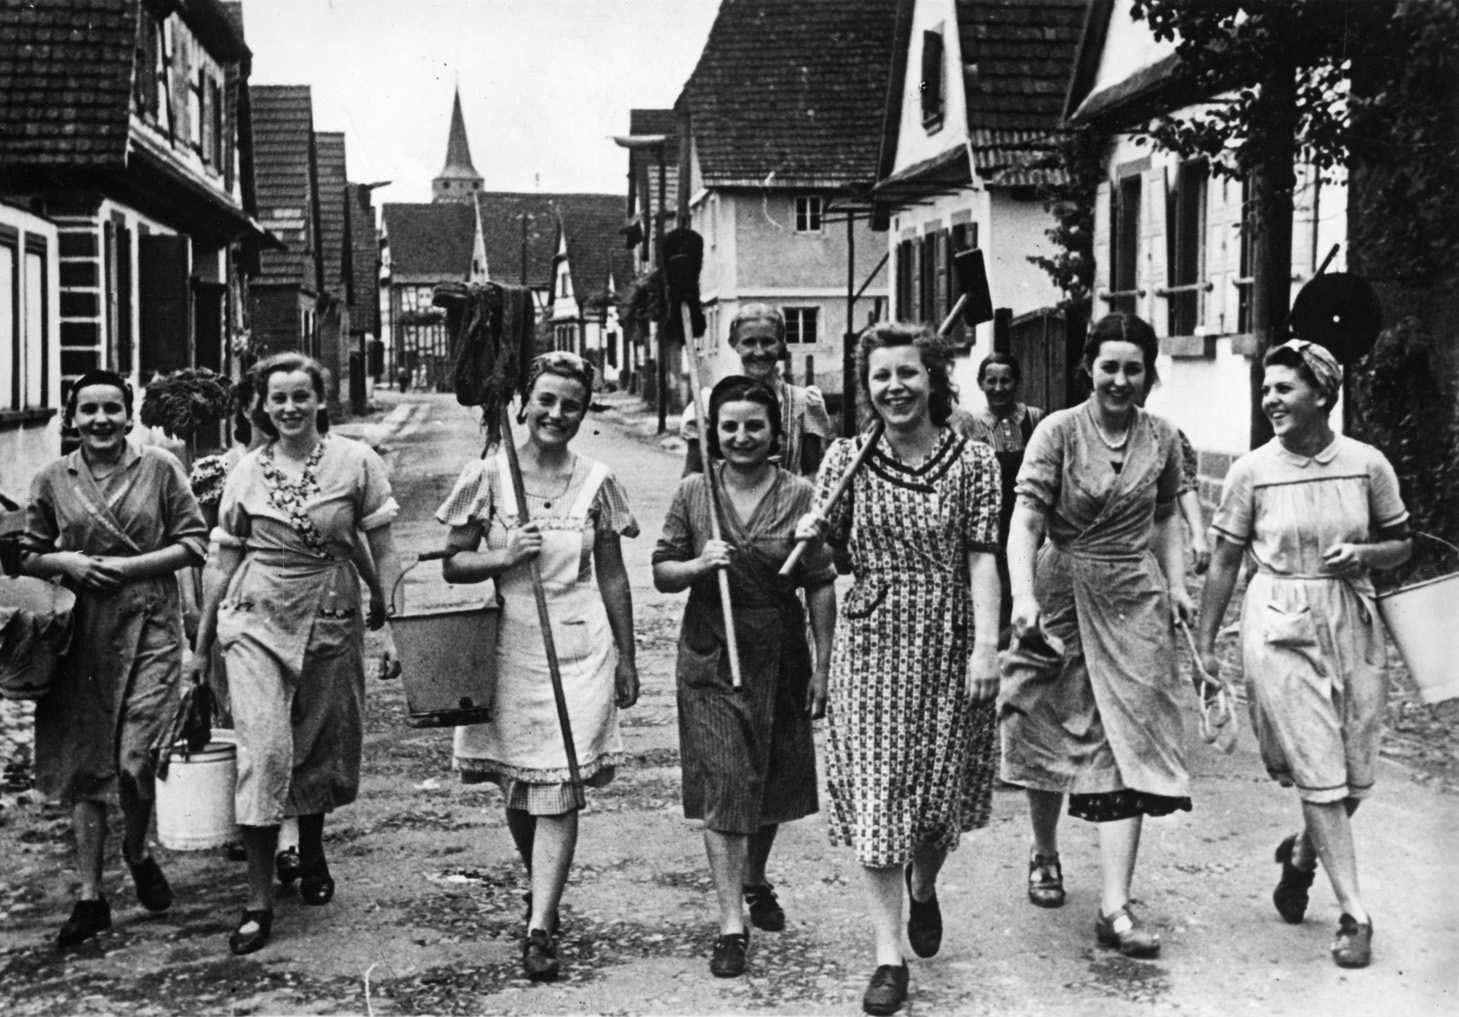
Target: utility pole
663	366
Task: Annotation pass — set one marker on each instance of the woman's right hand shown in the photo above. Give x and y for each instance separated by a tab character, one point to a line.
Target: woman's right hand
812	526
1209	662
1026	615
199	667
524	543
92	573
716	555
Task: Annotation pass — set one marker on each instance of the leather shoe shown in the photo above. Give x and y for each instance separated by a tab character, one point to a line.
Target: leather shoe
887	991
152	886
728	960
765	910
924	921
1130	937
315	885
287	867
539	956
1290	896
88	917
1046	881
1353	947
252	933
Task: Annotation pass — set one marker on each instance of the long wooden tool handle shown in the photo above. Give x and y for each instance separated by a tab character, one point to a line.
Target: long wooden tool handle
838	492
549	645
701	425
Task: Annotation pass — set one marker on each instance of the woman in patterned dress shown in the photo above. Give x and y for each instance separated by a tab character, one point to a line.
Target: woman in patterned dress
1316	511
281	600
757	334
914	671
576	514
1101	479
748	757
113	521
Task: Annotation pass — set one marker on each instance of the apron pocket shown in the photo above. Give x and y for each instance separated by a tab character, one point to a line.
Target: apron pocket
1293	629
863	599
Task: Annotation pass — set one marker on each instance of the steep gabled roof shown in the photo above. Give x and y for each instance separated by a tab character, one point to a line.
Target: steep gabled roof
329	154
430	242
793	88
501	229
66	81
458	149
595	251
283	134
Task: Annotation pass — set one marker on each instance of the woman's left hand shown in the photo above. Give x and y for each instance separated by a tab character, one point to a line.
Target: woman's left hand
625	681
379	611
816	694
1181	606
983	673
1343	560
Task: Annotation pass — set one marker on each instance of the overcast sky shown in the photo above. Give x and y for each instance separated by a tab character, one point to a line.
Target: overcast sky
544	83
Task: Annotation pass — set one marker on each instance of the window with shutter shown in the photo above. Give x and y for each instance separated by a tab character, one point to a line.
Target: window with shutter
932	86
163	304
1125	244
1186	248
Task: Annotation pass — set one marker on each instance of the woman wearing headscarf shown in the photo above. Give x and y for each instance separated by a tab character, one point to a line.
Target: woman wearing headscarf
914	671
281	599
1106	728
748	756
575	517
1317	511
114	521
757	335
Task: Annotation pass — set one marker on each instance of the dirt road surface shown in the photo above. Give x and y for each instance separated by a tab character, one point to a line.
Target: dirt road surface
429	911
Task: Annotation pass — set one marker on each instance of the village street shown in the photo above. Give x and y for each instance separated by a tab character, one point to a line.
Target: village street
429	911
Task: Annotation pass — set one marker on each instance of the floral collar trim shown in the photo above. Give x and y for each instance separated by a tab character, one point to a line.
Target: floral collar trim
290	496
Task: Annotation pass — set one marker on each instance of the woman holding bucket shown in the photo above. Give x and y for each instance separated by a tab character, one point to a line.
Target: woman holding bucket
1104	723
282	601
914	671
748	756
113	521
1317	511
576	513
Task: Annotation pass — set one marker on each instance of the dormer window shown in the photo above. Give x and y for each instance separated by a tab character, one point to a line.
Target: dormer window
808	213
933	85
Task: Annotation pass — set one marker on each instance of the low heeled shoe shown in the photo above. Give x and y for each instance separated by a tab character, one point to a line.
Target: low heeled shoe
728	960
1353	947
924	921
1129	937
88	917
1291	893
539	956
888	990
253	931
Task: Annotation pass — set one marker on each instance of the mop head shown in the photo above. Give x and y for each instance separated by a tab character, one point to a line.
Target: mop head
684	257
493	342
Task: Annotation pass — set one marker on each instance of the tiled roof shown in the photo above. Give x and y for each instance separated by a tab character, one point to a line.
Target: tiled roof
501	228
283	125
590	224
364	260
329	159
430	241
791	87
66	81
1017	59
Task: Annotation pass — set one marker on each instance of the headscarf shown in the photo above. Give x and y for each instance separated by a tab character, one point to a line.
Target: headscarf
561	362
1320	361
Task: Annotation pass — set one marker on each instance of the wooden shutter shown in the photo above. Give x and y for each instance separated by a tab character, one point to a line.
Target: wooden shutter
1103	252
164	304
932	51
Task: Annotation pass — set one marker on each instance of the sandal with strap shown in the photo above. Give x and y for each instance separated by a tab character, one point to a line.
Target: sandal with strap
316	887
1046	881
1290	896
765	910
253	931
1129	937
1353	947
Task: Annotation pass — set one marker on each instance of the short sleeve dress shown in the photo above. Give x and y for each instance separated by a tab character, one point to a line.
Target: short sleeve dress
521	748
748	757
291	628
1312	644
1108	729
911	755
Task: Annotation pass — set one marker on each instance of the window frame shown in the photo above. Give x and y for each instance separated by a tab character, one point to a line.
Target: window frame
36	363
1124	240
796	319
932	86
10	362
810	209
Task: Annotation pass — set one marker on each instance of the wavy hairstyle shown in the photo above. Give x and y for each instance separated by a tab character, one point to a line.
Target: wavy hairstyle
738	388
935	357
1123	327
287	363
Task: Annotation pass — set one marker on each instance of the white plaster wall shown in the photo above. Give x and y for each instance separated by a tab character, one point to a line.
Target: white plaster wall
24	449
1016	233
914	143
1129	47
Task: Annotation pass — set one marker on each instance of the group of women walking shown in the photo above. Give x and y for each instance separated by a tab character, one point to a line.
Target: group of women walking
922	713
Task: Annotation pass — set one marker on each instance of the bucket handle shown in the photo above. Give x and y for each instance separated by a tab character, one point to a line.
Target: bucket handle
1436	540
427	556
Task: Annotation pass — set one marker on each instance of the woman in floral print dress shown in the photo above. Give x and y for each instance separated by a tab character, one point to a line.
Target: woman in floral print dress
914	670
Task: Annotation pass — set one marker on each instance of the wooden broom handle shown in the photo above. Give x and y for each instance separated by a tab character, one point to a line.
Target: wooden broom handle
701	425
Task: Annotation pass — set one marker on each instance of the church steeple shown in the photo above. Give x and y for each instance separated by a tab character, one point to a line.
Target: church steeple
458	179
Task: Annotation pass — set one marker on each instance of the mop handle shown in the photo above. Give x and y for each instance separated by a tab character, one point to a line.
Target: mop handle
837	493
701	425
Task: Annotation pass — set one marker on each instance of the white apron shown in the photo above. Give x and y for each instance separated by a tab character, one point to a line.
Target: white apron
524	739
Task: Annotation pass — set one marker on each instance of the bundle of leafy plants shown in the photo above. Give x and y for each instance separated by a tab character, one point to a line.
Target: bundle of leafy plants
185	401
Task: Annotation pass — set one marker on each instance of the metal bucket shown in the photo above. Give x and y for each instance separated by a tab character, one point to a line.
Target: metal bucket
448	664
195	801
447	659
1421	619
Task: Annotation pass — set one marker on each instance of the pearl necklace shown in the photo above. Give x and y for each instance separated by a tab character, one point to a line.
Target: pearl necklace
1113	446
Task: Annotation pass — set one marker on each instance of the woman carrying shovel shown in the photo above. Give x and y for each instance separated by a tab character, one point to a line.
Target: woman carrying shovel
576	513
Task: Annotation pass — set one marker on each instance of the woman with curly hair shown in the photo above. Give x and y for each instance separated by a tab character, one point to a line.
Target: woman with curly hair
914	670
1100	480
